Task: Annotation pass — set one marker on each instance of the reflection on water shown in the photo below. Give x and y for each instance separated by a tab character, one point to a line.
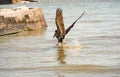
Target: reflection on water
61	55
37	32
92	50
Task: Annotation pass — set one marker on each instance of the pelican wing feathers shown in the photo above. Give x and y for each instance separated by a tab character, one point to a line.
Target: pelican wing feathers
59	22
69	28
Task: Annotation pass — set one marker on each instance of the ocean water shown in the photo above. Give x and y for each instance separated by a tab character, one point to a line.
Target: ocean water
92	49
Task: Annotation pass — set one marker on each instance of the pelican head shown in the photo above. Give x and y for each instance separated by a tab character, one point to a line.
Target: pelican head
55	34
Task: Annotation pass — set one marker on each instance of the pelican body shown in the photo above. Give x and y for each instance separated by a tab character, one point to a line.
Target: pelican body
61	32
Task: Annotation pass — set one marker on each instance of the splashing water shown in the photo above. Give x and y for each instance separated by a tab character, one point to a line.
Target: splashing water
74	43
71	44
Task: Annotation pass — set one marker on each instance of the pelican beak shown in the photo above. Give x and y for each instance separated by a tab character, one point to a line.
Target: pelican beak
54	35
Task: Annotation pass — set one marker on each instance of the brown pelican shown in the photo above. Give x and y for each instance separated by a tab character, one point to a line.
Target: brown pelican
61	32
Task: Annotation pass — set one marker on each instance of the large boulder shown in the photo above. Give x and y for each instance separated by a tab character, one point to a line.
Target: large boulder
21	18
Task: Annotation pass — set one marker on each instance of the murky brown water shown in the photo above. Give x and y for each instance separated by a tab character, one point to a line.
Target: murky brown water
93	50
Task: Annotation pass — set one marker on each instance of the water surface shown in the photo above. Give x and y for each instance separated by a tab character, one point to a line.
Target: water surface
93	44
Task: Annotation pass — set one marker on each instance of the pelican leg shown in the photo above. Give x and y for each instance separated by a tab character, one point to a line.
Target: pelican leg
57	43
62	43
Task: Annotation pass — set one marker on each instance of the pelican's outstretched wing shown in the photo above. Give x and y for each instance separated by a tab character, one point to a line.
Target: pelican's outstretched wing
69	28
59	22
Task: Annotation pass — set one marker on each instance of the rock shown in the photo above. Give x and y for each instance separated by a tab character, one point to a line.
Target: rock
21	18
22	1
16	1
5	1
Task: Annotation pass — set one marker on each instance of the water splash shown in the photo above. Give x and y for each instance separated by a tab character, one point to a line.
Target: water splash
74	43
71	44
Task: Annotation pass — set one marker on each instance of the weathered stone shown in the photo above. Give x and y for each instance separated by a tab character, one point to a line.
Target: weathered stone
15	1
5	1
21	18
22	1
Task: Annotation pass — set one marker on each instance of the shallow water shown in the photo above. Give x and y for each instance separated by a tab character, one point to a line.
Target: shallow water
92	49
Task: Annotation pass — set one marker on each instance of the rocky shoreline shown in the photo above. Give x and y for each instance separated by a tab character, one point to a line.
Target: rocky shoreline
14	20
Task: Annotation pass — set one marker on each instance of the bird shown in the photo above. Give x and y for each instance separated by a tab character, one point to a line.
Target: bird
61	32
